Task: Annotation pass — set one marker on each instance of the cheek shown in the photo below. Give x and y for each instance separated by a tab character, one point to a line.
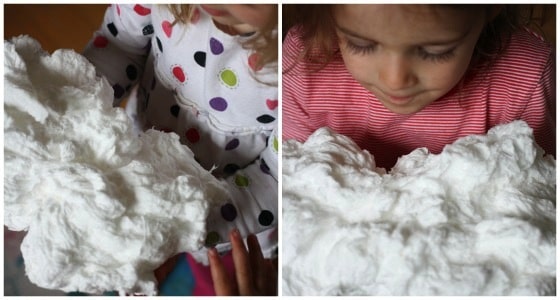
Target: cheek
460	64
259	20
360	67
446	76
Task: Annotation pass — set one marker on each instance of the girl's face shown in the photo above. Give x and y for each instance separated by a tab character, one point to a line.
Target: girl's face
407	55
242	16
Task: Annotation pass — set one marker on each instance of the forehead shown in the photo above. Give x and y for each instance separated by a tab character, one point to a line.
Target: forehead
411	22
255	14
252	8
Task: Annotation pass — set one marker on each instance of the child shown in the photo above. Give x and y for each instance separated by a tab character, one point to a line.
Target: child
208	73
398	77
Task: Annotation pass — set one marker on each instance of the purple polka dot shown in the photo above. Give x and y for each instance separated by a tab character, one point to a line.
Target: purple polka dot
228	211
216	46
232	144
218	103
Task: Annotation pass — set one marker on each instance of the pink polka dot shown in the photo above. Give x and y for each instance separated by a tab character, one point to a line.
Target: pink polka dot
192	135
232	144
253	59
271	104
142	10
167	28
100	41
179	74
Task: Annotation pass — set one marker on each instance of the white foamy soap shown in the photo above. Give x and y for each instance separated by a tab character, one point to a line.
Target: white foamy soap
102	206
477	219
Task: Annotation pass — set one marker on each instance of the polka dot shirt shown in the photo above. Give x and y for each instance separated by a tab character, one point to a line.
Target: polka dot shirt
200	83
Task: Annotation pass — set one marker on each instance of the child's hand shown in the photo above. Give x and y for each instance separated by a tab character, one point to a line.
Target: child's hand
255	275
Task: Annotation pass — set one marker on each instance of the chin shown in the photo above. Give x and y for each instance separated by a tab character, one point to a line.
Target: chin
403	110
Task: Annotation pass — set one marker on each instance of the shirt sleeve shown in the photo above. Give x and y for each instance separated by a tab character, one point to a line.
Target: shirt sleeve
120	47
540	112
252	208
294	89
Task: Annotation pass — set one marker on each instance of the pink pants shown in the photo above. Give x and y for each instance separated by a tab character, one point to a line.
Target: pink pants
203	284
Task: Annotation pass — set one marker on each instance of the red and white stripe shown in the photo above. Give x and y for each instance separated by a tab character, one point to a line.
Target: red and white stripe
519	85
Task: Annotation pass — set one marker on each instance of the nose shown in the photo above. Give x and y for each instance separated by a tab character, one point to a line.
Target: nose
396	73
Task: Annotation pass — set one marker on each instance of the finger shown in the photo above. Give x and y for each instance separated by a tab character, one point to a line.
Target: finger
271	284
222	283
255	251
274	271
258	264
243	271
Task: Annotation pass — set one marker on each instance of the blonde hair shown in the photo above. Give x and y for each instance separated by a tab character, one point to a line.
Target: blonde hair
264	42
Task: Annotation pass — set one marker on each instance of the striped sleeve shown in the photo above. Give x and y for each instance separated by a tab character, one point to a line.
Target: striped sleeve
523	87
294	89
540	113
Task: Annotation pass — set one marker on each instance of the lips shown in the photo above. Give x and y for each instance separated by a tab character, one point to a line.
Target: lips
399	100
214	12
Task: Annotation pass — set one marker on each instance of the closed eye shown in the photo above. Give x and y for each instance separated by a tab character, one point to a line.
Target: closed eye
359	47
436	57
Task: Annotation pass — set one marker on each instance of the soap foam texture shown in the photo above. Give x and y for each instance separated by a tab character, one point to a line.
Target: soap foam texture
102	205
477	219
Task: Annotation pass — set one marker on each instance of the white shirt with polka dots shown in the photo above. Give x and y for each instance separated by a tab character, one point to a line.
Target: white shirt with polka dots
200	83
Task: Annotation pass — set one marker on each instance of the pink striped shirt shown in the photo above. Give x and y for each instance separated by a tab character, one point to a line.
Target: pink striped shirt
519	85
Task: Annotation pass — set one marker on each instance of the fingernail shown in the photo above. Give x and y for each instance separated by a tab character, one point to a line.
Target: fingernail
212	252
235	233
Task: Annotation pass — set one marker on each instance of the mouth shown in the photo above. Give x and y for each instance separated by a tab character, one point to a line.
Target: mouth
399	100
214	12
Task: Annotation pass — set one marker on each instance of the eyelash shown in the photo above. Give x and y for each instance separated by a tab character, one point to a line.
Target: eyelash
440	57
364	50
361	50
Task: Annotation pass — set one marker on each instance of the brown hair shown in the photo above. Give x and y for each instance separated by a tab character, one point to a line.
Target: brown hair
264	42
317	25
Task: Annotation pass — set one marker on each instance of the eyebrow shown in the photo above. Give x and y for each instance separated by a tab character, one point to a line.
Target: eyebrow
429	43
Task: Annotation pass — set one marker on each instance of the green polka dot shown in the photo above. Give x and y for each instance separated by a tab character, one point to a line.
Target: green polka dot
212	239
275	144
228	78
241	181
